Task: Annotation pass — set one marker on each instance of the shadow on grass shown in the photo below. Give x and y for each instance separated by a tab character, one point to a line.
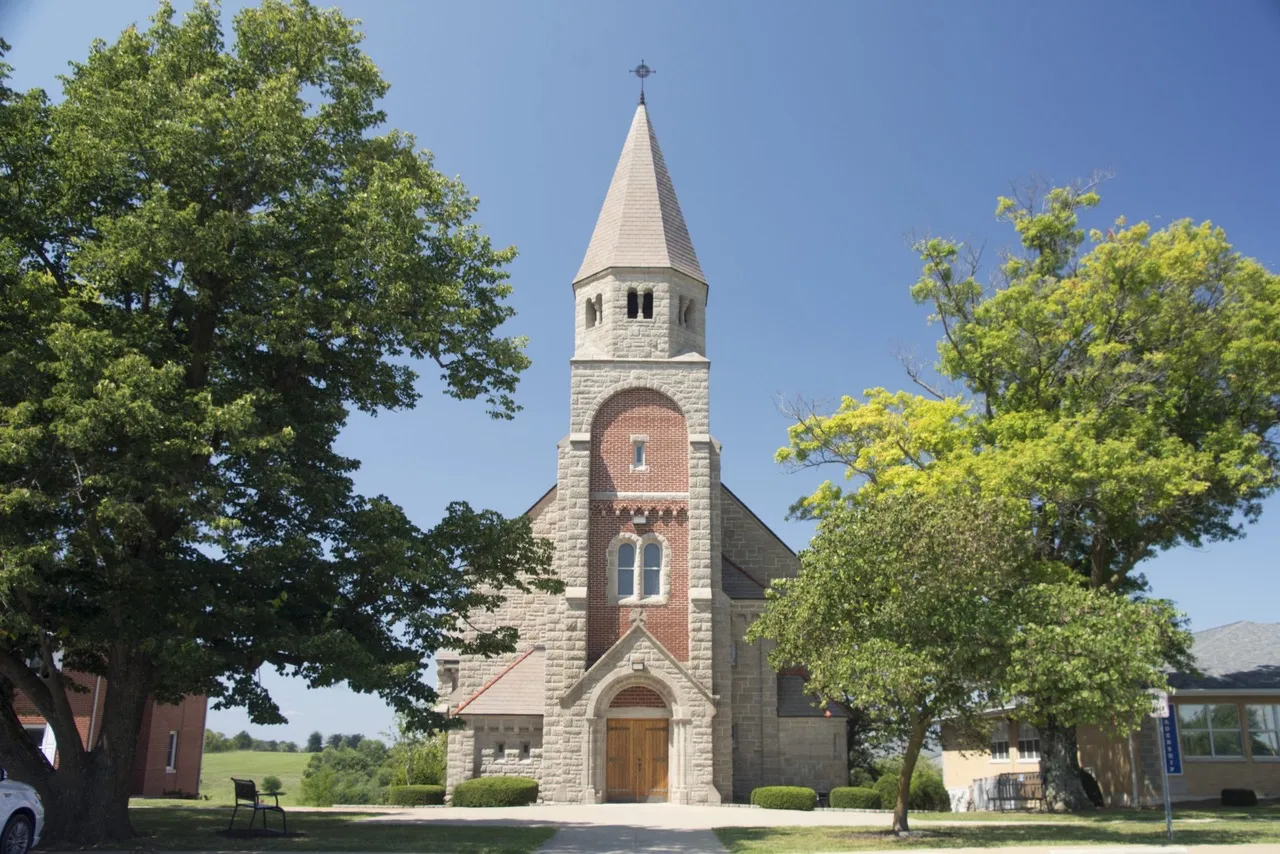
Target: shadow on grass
776	840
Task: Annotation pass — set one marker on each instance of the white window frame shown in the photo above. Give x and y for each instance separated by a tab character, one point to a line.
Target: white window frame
640	451
171	758
1271	726
637	596
999	735
1026	735
1184	731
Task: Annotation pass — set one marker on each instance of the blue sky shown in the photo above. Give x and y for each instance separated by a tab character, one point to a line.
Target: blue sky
805	141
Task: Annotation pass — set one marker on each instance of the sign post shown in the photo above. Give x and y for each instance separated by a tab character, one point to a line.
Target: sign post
1160	711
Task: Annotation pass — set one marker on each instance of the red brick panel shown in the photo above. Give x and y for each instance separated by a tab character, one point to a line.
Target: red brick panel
637	696
151	774
606	622
639	411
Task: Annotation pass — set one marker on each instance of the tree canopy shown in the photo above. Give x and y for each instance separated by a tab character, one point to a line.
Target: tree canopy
209	256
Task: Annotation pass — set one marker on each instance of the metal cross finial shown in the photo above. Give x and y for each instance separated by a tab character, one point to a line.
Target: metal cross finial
642	71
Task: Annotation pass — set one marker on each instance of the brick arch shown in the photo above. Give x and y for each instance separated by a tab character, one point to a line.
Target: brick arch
593	411
639	412
637	696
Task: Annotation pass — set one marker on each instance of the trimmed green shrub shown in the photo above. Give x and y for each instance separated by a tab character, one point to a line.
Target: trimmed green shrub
861	778
784	797
415	796
495	792
271	785
1239	798
855	798
927	792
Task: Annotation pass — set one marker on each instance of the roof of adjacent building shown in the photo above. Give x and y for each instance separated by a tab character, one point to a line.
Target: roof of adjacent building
736	583
1236	656
640	224
519	689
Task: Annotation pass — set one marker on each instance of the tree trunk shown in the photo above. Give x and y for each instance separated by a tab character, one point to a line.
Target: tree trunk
1063	791
914	743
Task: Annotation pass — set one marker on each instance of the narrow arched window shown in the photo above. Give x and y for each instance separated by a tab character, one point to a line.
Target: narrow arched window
633	304
652	569
626	570
591	313
688	313
648	305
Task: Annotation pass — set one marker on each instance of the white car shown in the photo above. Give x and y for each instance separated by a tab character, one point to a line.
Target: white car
21	815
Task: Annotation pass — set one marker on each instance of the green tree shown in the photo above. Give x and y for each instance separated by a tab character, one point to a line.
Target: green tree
1126	394
415	758
209	257
242	741
216	742
315	742
335	739
902	607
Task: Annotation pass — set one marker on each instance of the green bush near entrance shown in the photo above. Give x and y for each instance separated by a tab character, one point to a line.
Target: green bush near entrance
415	796
784	798
495	792
855	798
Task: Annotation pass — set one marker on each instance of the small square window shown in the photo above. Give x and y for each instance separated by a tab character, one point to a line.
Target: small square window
524	750
500	752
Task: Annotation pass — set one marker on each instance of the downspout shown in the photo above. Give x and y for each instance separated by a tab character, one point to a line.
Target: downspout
1133	770
93	712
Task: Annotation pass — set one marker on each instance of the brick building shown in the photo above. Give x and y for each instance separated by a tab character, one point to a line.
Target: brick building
170	744
636	684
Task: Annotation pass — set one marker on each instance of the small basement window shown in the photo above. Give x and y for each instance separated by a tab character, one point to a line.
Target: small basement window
524	750
500	751
633	304
648	305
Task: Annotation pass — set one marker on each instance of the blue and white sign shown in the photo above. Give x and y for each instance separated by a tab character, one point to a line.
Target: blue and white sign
1168	732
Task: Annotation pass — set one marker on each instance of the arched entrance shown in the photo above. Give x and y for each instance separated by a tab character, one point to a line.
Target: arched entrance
638	732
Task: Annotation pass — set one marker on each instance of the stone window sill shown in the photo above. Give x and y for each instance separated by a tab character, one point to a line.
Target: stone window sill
641	602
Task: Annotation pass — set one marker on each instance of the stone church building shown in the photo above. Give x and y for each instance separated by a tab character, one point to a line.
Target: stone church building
636	684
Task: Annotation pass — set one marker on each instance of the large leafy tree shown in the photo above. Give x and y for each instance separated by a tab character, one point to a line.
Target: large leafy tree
1128	395
208	257
903	608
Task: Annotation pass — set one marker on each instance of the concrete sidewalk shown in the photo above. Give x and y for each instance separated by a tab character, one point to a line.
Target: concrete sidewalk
631	840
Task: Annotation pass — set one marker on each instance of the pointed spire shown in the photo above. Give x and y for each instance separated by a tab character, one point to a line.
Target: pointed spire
640	224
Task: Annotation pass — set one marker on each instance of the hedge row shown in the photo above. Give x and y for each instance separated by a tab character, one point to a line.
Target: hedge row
784	798
927	793
415	796
495	792
855	798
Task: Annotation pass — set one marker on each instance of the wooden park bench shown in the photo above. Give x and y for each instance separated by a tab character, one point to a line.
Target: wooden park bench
247	796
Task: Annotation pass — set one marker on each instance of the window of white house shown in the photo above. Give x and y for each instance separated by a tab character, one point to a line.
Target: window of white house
626	570
652	569
35	732
1211	730
172	761
1264	730
1028	742
1000	742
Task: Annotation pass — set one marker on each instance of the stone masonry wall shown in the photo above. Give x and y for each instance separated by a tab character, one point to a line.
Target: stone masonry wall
814	753
520	740
616	336
751	545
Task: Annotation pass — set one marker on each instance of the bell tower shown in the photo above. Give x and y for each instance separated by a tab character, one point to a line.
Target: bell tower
638	489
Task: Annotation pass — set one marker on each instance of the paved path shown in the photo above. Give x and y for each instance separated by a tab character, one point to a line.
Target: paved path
605	839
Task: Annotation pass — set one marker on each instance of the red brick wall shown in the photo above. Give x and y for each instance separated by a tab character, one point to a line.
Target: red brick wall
637	696
644	412
151	776
606	622
652	414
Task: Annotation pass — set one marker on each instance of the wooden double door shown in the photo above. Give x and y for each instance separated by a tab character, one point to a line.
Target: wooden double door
637	760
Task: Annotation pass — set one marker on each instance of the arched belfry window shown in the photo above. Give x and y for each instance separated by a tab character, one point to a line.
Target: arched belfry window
648	305
688	313
591	313
652	569
626	570
633	304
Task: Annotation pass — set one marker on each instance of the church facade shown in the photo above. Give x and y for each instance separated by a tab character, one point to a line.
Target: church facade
636	683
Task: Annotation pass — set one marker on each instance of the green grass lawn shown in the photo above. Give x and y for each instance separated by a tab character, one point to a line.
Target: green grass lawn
1192	826
217	770
171	828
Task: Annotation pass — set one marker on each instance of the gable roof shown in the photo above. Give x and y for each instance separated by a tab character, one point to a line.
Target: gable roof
607	662
736	583
1236	656
793	702
519	689
640	223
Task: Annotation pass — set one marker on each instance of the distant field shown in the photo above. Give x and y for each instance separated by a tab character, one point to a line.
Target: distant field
218	769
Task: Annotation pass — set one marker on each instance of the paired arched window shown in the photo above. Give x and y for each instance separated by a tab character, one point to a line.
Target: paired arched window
638	572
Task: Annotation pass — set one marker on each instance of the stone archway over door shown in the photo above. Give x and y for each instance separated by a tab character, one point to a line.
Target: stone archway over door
636	768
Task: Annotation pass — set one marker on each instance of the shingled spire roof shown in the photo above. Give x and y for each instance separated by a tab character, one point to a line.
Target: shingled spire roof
640	224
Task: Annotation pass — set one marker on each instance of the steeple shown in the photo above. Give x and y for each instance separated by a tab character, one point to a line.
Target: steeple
640	224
